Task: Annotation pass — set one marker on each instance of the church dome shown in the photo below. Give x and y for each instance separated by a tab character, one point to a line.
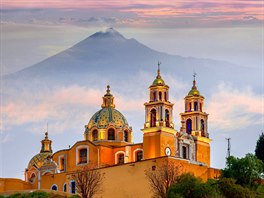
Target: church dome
194	92
39	159
106	116
158	81
45	151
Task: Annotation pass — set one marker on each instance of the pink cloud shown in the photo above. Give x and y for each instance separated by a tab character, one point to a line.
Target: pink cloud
68	105
230	108
142	8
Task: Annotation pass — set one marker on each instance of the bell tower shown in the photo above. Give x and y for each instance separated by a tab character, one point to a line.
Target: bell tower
158	129
194	123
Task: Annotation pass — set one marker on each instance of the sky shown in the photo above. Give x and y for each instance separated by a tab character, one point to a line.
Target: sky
32	30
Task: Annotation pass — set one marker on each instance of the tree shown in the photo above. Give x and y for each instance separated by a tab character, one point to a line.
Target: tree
88	181
259	151
189	186
244	170
229	188
162	177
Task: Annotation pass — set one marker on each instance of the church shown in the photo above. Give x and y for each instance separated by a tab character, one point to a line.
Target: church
107	144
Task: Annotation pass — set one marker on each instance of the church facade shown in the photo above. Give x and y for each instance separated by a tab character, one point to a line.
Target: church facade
107	144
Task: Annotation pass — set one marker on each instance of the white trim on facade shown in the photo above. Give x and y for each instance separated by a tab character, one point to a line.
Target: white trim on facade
134	153
117	153
53	186
77	156
70	186
59	162
65	184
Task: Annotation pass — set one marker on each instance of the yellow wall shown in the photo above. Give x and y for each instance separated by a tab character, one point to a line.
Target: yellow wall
8	184
59	179
127	180
203	152
151	145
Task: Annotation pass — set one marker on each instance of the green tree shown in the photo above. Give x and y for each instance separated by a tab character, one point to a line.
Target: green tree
189	186
259	151
244	170
229	188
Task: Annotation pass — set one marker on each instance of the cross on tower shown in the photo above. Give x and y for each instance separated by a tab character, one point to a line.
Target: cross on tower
194	75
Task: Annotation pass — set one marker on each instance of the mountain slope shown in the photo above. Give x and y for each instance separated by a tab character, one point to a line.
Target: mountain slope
111	56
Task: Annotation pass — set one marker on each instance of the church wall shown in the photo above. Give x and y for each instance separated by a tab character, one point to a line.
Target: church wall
167	140
59	179
151	145
203	152
106	156
10	184
127	180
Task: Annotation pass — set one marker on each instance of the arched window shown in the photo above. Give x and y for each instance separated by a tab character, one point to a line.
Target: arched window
160	95
165	96
139	156
153	118
32	178
111	134
190	106
184	152
61	163
202	127
72	187
195	106
167	118
83	156
64	188
189	126
120	158
54	187
95	135
126	136
154	96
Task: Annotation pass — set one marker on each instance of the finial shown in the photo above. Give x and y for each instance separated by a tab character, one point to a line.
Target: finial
194	75
159	63
194	81
46	135
108	89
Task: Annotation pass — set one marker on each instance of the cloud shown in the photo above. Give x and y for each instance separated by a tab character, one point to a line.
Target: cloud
234	109
71	107
137	13
64	107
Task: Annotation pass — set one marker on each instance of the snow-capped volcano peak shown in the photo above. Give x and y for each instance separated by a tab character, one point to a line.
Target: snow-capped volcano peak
109	33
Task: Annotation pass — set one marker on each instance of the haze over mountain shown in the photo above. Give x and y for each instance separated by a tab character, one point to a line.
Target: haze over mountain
110	53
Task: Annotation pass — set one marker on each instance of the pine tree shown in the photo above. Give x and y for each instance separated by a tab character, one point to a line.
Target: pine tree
259	151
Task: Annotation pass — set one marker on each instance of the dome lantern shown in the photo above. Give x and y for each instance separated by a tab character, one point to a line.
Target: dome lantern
108	99
46	144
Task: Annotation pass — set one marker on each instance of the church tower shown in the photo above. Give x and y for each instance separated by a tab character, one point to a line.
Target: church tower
194	123
159	133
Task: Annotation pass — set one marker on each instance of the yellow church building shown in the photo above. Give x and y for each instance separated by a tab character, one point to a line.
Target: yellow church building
108	144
